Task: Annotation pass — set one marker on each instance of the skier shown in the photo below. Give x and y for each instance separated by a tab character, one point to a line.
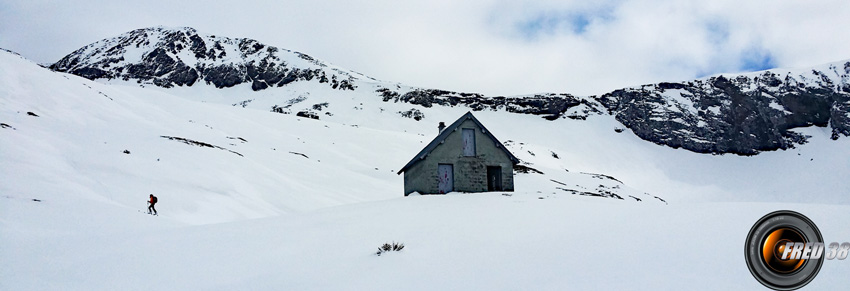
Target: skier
152	202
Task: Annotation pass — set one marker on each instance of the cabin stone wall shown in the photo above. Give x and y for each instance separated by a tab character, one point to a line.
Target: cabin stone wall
470	173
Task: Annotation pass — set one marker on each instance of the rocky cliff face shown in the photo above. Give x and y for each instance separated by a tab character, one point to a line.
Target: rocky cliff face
169	57
550	106
741	114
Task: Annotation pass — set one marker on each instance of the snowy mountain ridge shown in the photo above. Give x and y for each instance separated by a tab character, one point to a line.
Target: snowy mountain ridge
742	114
170	57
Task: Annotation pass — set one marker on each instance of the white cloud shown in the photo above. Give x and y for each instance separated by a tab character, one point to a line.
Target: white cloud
493	47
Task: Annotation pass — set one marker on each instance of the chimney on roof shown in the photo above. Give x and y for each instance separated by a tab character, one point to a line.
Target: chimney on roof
441	127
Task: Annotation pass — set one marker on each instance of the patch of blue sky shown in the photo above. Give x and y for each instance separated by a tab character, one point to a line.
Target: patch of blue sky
555	23
749	61
752	59
757	60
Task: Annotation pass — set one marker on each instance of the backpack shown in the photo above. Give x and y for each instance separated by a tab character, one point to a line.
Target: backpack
155	200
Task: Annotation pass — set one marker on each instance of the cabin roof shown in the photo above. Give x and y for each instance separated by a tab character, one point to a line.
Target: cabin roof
446	132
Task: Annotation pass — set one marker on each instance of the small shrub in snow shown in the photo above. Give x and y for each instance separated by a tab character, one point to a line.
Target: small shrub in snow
387	247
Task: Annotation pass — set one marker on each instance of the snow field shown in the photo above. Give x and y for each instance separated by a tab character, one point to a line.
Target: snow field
70	199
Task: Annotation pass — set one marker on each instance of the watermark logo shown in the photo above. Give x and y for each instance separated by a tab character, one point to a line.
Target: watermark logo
785	250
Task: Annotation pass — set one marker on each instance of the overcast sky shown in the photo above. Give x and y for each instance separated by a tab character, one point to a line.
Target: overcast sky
489	46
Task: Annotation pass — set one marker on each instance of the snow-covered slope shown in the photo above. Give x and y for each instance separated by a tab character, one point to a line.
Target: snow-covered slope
469	242
264	163
255	199
69	138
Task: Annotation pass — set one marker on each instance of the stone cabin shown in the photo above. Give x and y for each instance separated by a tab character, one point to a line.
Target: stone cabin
464	157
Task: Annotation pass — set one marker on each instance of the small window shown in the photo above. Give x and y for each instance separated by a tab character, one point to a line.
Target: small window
468	142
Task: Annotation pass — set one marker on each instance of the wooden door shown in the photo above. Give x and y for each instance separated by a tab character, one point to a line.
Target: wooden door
445	173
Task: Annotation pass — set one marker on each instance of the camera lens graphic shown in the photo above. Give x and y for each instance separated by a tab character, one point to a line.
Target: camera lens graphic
767	242
774	246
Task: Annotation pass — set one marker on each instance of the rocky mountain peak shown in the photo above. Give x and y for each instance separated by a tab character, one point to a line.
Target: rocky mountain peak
169	57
